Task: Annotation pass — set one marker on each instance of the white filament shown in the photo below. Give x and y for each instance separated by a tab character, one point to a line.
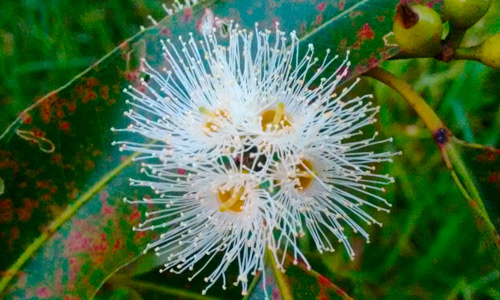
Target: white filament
204	113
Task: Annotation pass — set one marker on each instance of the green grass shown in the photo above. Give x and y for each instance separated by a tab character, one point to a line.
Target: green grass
43	44
429	246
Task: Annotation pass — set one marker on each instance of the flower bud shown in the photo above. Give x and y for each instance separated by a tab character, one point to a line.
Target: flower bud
489	51
418	30
462	14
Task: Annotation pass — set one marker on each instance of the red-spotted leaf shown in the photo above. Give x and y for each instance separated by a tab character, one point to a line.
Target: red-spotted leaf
63	226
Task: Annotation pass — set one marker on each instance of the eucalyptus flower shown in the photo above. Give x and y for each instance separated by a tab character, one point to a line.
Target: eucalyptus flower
250	149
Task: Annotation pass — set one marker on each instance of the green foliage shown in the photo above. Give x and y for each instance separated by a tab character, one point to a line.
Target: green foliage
61	181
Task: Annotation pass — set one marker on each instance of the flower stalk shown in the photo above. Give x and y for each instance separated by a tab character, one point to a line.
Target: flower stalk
424	111
453	160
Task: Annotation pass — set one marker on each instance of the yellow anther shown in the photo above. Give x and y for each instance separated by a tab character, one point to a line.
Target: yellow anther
213	119
206	112
275	119
231	199
279	114
303	174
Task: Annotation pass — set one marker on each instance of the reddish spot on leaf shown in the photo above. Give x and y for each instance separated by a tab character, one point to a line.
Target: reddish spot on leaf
89	165
60	113
46	110
188	14
43	293
111	101
91	95
493	178
77	242
101	244
327	284
321	6
488	156
117	245
46	197
323	280
43	184
132	76
108	210
139	235
65	126
6	211
355	14
124	46
341	5
165	31
56	159
366	33
319	19
92	82
103	197
74	268
104	92
71	107
373	62
345	71
25	212
6	162
26	118
275	294
15	233
135	216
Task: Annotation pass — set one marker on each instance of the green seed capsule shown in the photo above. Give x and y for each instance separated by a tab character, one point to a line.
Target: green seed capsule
418	30
462	14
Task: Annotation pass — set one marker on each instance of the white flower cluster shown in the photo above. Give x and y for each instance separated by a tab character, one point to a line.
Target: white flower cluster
251	146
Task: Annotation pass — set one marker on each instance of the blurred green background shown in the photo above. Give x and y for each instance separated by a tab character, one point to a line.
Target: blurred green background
429	246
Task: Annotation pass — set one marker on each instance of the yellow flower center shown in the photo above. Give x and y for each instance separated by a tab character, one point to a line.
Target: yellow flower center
231	199
275	119
213	119
303	174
